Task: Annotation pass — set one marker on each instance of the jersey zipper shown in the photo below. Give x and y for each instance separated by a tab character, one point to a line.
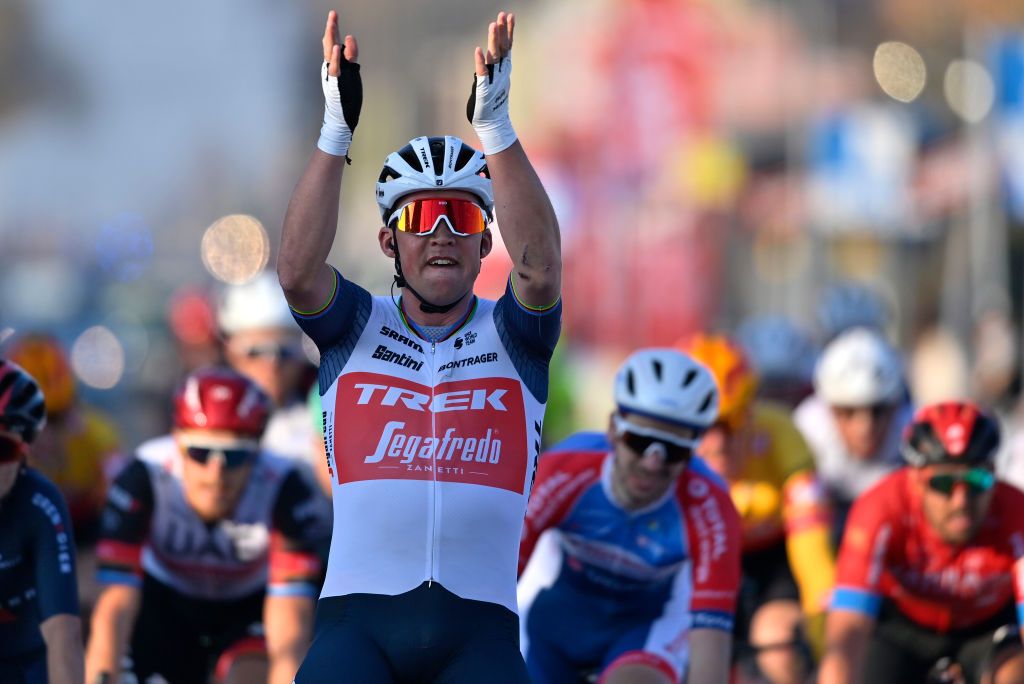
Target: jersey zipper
432	527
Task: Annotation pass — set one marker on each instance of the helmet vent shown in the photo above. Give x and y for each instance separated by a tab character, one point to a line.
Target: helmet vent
630	382
707	402
657	368
691	375
465	154
409	155
437	146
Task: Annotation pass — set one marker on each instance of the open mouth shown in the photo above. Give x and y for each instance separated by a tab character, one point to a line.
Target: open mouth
442	262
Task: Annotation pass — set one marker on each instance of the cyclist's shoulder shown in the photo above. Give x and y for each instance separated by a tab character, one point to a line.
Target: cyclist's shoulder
887	499
782	442
36	497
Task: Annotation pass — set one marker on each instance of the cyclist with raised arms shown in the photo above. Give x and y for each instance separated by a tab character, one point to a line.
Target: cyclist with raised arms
931	562
40	631
434	400
207	549
646	584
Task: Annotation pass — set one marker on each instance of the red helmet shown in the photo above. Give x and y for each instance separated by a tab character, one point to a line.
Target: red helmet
951	432
221	399
22	407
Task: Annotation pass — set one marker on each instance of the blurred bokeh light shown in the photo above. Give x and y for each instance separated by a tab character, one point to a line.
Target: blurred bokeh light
899	70
235	248
97	358
969	90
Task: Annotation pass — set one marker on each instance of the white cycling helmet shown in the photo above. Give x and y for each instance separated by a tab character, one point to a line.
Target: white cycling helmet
254	305
436	163
859	368
666	384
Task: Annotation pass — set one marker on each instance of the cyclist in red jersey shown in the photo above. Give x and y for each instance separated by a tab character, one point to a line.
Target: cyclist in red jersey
930	562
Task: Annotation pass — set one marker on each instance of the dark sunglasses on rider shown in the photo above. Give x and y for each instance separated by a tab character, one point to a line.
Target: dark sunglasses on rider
11	449
422	216
234	457
978	481
639	439
275	350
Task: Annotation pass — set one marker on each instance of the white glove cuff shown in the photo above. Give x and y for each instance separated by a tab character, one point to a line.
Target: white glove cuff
496	136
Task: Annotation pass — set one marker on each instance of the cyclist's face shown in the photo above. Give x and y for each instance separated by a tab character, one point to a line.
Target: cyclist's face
271	357
957	515
641	479
440	266
212	488
863	428
8	474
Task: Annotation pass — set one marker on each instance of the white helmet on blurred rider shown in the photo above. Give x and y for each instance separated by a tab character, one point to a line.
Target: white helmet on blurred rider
859	368
666	384
257	304
436	163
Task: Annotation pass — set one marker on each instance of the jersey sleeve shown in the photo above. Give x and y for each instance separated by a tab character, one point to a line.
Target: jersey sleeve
715	536
53	553
124	526
560	481
1015	500
529	335
345	311
866	545
301	522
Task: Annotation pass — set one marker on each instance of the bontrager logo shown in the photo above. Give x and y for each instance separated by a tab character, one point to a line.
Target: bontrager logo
459	400
404	360
471	361
398	337
450	448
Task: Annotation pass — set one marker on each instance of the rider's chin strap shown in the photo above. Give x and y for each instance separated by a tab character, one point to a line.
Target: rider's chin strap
400	281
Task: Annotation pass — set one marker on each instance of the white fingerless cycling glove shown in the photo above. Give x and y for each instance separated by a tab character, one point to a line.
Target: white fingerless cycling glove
343	97
487	108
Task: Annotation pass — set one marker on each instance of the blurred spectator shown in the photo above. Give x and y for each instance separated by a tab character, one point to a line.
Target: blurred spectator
854	420
191	321
783	356
849	304
262	341
80	449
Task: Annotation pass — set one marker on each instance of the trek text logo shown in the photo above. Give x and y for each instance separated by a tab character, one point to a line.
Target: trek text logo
460	400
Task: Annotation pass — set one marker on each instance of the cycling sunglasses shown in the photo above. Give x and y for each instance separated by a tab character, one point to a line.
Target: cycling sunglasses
978	481
422	216
674	449
234	456
276	350
11	449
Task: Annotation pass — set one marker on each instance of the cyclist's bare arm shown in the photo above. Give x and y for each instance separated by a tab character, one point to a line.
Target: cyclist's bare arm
846	641
526	219
287	625
710	651
113	619
64	660
312	217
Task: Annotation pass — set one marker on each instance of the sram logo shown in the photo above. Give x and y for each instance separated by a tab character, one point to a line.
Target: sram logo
468	431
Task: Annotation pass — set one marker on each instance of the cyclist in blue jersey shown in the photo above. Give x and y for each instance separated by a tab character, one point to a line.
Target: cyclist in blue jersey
40	631
433	401
644	586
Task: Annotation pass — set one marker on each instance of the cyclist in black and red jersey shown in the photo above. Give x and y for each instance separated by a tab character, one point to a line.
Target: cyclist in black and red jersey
930	566
40	632
207	546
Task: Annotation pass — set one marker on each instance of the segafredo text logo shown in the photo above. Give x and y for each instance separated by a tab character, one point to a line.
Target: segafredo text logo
449	448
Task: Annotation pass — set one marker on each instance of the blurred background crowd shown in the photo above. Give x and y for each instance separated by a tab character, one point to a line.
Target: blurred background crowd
776	170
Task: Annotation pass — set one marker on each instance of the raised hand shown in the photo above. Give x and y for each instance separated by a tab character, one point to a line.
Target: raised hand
487	108
343	89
